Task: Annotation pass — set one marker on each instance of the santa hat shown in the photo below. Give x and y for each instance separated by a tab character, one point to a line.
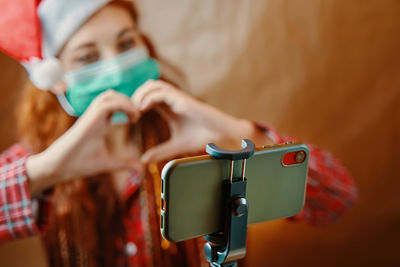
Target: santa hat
34	31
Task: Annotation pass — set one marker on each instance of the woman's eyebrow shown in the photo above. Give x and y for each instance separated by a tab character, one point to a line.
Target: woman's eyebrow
85	45
125	31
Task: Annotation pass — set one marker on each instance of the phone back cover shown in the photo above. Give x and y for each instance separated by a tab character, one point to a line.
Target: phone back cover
192	191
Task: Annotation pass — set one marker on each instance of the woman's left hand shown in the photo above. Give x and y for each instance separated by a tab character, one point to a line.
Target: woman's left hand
192	123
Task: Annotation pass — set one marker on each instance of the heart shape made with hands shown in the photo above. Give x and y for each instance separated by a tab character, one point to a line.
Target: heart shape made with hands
192	123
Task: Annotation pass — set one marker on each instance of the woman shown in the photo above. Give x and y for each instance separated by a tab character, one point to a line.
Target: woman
111	216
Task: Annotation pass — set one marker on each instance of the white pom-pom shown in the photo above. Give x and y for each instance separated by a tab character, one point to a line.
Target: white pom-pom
46	73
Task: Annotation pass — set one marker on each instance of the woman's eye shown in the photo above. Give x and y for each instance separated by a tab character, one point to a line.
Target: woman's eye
87	58
126	44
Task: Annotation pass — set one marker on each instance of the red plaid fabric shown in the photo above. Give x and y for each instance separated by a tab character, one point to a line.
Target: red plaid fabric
330	191
330	188
16	217
135	247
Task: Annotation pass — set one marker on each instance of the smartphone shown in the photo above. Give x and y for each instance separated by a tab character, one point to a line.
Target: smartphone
192	189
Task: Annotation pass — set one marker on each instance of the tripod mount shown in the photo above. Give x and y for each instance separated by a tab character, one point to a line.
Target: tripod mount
224	248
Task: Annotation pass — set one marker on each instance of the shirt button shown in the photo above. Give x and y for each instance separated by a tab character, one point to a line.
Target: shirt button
130	249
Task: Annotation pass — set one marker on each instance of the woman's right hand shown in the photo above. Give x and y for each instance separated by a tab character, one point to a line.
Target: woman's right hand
82	150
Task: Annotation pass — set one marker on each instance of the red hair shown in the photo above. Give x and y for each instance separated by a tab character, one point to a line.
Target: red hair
78	232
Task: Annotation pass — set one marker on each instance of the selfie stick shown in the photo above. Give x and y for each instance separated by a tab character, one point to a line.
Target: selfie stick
223	249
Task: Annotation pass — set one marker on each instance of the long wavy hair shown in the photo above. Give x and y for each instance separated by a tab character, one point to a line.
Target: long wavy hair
78	232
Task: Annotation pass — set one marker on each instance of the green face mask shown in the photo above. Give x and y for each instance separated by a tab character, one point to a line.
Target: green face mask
124	73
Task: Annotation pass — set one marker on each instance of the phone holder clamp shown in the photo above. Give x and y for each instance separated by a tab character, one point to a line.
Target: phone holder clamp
229	245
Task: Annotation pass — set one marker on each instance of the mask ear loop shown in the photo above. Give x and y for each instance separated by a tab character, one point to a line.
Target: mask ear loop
65	104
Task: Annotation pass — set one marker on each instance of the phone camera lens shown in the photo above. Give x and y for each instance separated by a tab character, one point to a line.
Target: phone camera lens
300	156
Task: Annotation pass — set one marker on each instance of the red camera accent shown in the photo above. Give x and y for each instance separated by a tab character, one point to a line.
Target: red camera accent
293	158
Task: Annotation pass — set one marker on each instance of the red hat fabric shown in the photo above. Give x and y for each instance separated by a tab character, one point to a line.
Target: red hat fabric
20	34
34	31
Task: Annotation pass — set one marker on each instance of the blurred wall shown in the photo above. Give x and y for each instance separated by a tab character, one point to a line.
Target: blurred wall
12	77
325	71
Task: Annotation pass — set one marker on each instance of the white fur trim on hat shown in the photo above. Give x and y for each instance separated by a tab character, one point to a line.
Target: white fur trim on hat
45	73
59	20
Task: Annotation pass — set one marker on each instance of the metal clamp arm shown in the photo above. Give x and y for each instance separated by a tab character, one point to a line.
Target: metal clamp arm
245	153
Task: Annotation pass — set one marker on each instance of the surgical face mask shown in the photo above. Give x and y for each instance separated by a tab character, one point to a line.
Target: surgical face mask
123	73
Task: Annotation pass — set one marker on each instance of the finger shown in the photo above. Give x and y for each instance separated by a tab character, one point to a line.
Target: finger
163	151
111	95
155	87
110	102
143	90
110	108
176	100
152	99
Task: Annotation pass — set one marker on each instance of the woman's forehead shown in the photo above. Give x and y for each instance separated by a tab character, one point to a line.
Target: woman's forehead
105	25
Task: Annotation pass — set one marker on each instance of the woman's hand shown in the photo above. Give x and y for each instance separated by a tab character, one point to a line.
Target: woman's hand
192	123
82	150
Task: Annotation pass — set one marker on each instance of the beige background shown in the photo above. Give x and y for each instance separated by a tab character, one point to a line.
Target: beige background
325	71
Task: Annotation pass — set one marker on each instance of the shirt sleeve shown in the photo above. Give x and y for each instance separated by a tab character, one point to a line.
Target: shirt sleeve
330	188
16	215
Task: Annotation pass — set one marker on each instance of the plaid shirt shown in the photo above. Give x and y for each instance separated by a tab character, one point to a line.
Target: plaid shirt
330	191
330	188
16	216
